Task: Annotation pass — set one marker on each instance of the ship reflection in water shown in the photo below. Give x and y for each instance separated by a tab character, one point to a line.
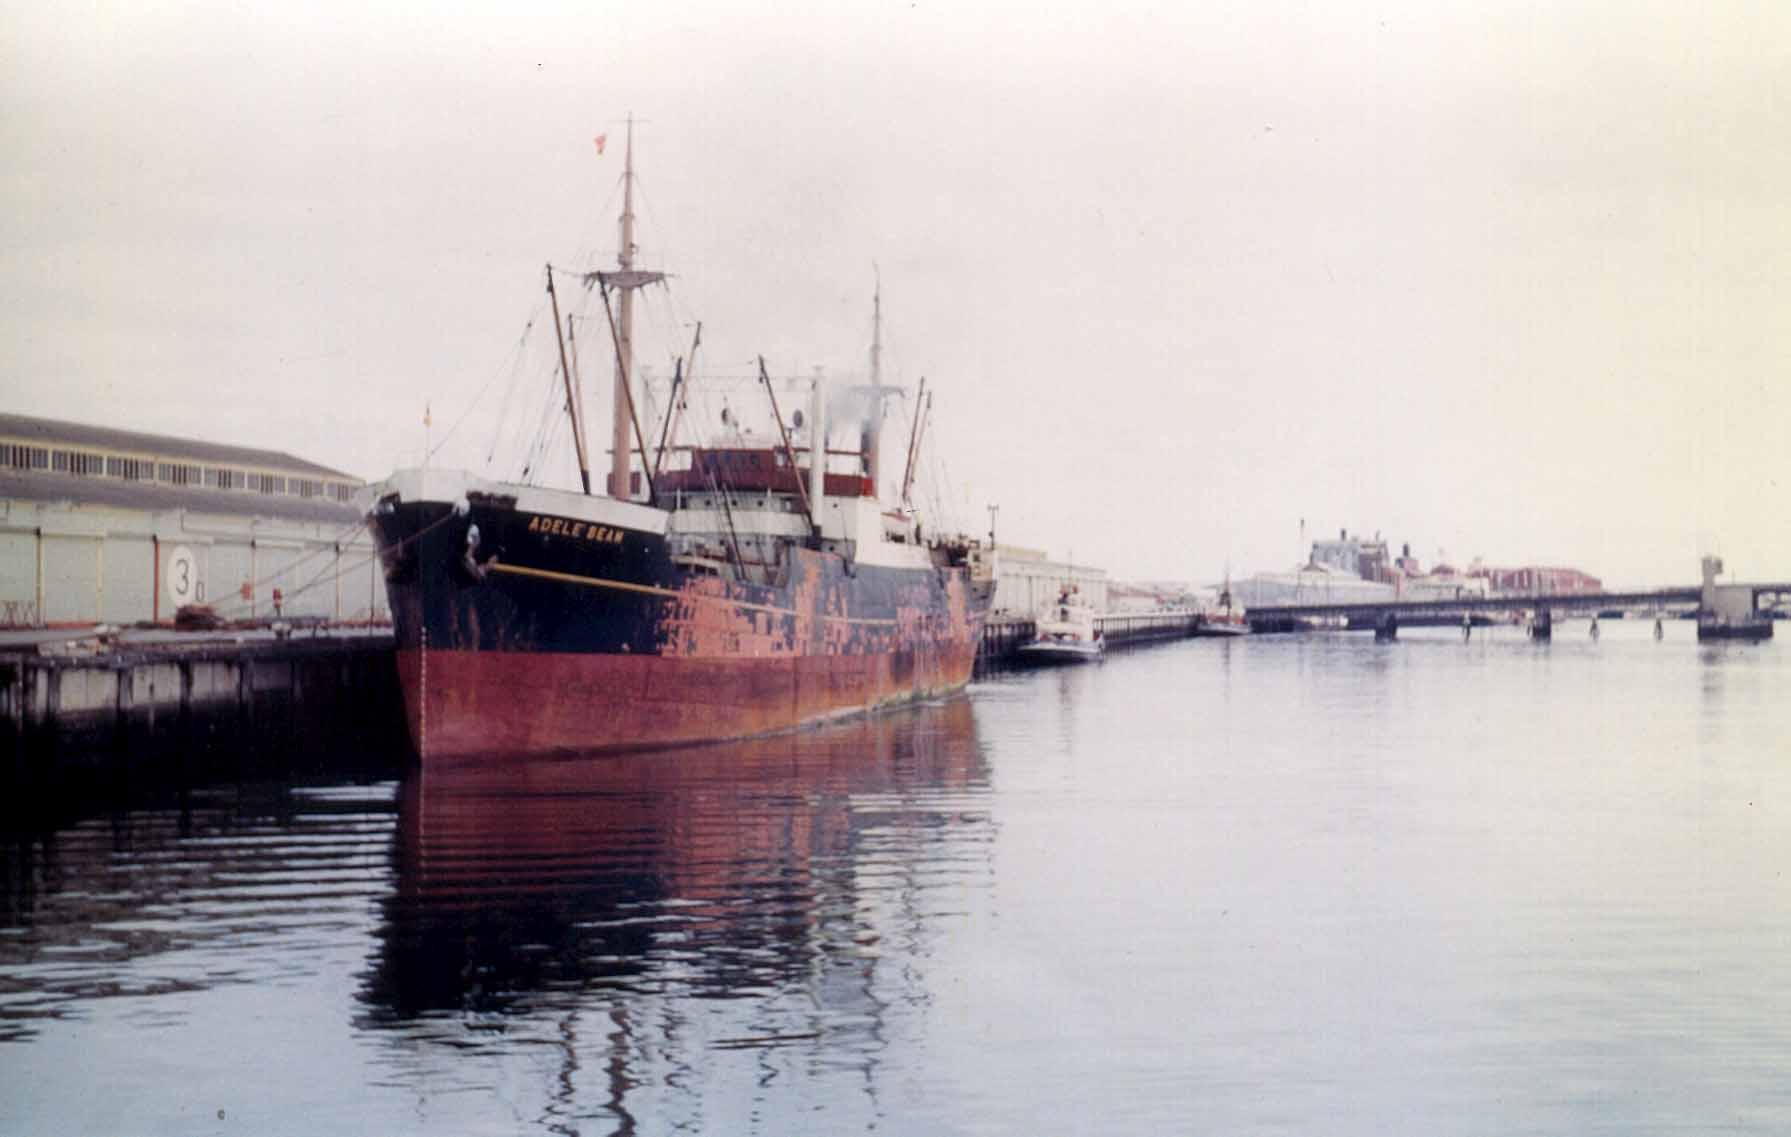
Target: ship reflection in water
667	908
567	945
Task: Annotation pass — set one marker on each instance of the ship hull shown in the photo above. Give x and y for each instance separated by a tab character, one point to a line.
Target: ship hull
1222	626
463	704
563	624
1049	653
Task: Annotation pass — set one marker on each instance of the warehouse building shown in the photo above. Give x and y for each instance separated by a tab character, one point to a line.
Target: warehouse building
111	526
1026	580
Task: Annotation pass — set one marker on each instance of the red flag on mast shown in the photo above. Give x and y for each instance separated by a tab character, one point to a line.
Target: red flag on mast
600	140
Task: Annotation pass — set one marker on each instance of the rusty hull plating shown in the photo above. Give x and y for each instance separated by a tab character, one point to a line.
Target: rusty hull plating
521	632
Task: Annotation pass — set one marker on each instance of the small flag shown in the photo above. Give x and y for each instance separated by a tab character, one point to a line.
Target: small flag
600	140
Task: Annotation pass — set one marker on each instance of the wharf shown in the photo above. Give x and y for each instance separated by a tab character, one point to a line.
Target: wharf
97	711
101	707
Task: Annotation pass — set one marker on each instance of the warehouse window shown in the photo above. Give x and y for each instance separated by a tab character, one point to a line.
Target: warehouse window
219	478
179	474
132	469
78	463
14	456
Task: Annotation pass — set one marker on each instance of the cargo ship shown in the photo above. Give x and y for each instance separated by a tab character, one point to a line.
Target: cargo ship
715	592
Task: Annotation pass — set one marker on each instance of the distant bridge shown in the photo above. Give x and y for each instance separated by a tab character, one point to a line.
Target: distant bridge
1385	616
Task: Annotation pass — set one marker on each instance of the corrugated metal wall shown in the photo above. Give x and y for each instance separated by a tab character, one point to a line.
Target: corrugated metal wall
128	580
227	574
18	578
1023	586
99	564
71	578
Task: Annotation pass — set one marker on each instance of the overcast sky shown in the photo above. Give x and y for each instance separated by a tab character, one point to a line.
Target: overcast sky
1507	281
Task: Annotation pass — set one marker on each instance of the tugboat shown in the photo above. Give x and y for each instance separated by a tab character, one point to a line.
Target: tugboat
1222	619
714	592
1067	631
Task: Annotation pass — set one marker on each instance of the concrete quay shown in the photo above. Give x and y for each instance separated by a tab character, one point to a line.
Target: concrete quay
92	712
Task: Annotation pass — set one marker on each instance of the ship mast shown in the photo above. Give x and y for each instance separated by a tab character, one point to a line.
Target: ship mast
620	404
873	444
625	279
575	401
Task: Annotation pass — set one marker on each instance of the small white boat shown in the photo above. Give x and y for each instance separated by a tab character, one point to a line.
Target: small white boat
1067	631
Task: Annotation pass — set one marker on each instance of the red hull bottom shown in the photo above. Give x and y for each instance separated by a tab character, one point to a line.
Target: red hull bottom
463	704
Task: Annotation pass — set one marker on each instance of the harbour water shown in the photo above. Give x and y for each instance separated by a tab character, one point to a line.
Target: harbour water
1278	885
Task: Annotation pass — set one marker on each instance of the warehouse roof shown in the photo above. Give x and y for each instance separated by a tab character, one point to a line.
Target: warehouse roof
48	487
49	432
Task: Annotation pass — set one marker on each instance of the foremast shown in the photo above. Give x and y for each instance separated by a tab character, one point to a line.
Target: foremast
625	280
622	406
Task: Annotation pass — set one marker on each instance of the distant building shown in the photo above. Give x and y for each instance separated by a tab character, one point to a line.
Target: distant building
1157	595
1026	580
1537	580
1352	569
1309	584
111	526
1357	556
1443	583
